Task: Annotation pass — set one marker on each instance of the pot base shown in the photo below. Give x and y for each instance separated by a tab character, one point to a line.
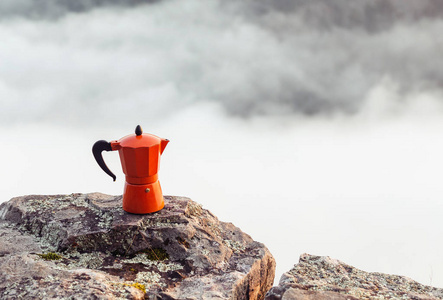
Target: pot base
143	198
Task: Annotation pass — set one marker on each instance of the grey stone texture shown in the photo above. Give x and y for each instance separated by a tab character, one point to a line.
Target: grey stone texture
321	278
84	246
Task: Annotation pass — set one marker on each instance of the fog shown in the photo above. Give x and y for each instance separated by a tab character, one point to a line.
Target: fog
313	126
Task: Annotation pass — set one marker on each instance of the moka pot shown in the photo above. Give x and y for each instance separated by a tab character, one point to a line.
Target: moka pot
140	158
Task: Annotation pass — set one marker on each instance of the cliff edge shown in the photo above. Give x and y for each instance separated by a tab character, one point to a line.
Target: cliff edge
325	278
84	246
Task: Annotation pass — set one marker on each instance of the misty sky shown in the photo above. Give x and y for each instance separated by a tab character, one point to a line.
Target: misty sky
321	118
64	61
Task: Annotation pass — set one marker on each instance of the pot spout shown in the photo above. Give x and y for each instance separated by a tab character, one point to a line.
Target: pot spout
163	144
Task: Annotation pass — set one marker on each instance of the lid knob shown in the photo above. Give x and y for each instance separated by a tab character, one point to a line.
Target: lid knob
138	130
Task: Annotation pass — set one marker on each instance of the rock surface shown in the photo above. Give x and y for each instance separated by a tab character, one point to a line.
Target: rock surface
84	246
321	278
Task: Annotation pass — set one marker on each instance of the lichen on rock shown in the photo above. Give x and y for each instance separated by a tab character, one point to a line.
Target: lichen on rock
322	277
105	252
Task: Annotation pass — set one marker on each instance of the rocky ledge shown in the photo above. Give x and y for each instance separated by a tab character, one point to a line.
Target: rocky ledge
322	278
84	246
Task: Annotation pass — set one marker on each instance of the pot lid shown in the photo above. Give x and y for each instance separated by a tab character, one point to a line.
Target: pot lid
139	139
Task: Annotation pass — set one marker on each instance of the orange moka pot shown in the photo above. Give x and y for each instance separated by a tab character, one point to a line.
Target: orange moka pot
140	158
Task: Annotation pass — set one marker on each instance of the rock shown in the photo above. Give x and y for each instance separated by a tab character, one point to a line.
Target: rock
321	277
84	246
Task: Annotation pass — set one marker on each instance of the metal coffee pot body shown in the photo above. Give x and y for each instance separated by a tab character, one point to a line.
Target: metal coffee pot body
140	158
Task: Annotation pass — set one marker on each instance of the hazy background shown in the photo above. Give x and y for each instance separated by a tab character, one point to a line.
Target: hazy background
315	126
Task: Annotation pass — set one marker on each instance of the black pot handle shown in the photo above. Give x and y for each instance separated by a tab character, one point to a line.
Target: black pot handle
97	149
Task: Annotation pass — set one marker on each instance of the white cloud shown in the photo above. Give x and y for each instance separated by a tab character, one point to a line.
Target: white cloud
182	52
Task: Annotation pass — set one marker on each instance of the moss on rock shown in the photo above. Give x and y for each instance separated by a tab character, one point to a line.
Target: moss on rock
156	253
50	256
